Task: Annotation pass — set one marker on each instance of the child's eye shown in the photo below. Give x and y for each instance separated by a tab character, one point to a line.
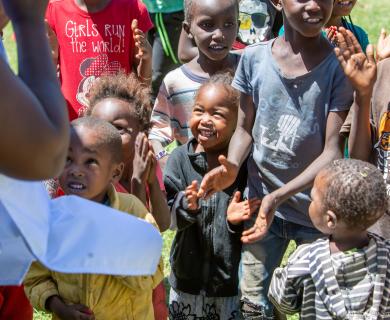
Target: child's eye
229	24
207	25
68	160
91	161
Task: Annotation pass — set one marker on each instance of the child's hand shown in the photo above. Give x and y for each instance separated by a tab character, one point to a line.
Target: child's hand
76	312
383	46
218	178
142	159
263	221
331	34
25	10
359	68
238	212
153	164
144	49
191	194
69	312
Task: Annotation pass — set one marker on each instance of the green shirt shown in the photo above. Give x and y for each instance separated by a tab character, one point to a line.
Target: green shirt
164	6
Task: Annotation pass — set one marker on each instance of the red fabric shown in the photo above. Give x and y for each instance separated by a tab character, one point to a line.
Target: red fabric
14	304
237	45
93	44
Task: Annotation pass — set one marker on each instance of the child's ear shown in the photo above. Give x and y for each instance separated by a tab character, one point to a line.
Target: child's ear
331	219
187	29
117	173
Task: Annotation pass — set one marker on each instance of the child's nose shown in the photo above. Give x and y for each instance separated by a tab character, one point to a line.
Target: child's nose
313	5
76	172
206	118
217	34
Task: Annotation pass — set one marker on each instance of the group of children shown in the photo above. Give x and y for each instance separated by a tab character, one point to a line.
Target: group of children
257	136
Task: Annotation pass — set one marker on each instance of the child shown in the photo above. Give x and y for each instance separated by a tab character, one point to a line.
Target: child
93	166
124	102
294	99
205	253
260	20
345	276
213	26
97	38
368	124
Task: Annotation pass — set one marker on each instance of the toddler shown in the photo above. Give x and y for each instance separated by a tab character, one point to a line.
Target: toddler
94	165
346	275
206	250
213	26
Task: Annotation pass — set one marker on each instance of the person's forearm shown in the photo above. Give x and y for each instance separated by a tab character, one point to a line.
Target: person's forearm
54	304
159	206
306	178
240	146
144	71
360	140
138	190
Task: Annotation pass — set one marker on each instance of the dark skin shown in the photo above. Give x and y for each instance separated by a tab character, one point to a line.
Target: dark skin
138	157
342	236
213	28
188	49
34	121
306	48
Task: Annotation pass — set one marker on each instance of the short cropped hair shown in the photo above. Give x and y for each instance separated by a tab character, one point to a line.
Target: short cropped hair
224	78
127	88
355	192
188	7
108	135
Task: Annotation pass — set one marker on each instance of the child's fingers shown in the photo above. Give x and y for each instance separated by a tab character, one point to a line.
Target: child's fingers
340	57
382	35
236	197
354	42
134	24
145	146
370	54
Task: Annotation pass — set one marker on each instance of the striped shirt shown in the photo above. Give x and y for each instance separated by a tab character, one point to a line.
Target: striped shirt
173	107
345	285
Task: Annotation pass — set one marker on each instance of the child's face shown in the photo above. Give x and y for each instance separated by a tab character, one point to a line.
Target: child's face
89	168
119	113
214	27
213	119
307	16
343	7
317	210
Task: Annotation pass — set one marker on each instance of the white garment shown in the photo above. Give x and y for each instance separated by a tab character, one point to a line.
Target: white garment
70	235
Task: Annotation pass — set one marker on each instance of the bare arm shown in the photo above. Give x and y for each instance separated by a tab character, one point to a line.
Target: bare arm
333	149
361	71
187	49
159	210
33	124
142	54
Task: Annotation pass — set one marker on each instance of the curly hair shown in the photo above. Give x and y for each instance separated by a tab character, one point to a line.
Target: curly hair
127	88
355	192
224	78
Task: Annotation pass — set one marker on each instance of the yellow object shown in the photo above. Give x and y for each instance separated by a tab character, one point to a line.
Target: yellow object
109	297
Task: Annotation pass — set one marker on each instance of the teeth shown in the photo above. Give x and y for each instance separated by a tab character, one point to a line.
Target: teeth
217	47
313	20
345	3
206	133
77	186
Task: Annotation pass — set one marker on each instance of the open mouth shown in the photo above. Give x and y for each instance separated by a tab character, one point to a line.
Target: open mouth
217	47
345	3
76	187
313	20
206	134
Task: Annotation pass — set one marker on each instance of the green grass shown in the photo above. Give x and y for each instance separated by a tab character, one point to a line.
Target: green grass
371	15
